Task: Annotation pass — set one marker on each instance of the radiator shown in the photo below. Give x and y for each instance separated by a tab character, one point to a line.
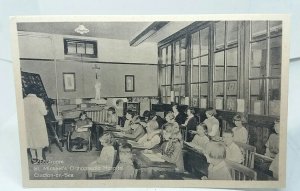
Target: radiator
99	116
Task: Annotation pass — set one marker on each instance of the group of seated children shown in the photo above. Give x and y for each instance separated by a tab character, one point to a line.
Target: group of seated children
205	137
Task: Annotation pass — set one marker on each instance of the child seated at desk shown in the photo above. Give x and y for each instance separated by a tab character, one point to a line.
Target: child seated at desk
217	169
272	145
172	147
104	163
212	123
233	152
200	139
112	117
152	137
240	133
129	116
81	133
137	131
125	168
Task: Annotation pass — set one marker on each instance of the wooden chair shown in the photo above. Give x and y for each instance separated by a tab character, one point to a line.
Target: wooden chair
241	172
248	152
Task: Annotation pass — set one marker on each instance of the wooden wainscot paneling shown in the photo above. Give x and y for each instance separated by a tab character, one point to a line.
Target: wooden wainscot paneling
259	128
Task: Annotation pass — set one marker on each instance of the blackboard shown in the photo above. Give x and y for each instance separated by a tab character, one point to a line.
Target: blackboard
32	78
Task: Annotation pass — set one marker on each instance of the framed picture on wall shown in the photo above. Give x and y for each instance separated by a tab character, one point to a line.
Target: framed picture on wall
69	82
129	83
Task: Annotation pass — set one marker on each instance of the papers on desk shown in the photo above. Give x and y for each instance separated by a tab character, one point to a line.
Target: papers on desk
154	157
135	144
118	134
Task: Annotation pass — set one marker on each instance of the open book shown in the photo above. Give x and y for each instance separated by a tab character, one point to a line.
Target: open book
154	157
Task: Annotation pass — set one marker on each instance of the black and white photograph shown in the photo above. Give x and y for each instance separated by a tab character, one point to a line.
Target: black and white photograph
140	101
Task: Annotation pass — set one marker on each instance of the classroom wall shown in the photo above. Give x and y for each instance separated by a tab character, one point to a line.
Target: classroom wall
116	59
40	45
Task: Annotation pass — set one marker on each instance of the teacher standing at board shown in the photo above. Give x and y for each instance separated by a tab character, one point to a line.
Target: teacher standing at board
36	130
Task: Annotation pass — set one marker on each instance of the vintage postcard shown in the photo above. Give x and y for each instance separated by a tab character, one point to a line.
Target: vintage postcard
152	101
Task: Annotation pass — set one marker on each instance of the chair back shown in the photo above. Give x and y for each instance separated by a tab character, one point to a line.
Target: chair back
241	172
248	152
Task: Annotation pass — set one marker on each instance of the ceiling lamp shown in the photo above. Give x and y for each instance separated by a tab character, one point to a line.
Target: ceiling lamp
81	30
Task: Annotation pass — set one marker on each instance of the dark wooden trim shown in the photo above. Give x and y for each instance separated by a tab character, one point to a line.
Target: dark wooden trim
182	32
156	26
37	59
88	61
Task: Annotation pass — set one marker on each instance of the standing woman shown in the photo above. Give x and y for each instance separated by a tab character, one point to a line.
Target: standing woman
36	130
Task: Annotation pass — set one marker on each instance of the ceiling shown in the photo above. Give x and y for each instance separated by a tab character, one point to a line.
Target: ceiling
110	30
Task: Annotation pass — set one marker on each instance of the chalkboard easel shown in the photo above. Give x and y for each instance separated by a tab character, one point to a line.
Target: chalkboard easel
32	78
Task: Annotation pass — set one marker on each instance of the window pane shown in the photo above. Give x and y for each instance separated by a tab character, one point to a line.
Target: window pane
220	35
71	48
195	45
163	75
89	49
182	49
219	73
275	27
258	59
204	61
177	74
232	73
259	29
257	95
204	34
195	73
182	74
195	61
177	52
203	89
163	91
80	48
231	57
195	94
204	74
168	90
274	92
219	89
275	56
168	73
163	55
231	88
231	103
219	58
232	32
179	90
169	55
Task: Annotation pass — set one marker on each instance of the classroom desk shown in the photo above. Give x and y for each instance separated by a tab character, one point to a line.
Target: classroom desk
195	162
149	169
152	169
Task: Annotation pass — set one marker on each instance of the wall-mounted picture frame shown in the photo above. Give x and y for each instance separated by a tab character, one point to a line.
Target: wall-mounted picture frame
129	83
69	81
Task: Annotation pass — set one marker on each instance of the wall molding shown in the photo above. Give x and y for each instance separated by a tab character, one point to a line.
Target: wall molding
87	61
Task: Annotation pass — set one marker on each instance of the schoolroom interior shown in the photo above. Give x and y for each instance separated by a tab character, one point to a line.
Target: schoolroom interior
152	100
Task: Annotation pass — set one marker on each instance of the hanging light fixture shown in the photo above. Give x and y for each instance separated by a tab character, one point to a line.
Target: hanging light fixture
81	29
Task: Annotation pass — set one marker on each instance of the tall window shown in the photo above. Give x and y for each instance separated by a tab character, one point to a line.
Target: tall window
179	70
265	67
165	67
199	68
226	65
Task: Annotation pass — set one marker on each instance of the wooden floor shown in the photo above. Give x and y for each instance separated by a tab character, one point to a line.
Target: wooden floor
63	165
